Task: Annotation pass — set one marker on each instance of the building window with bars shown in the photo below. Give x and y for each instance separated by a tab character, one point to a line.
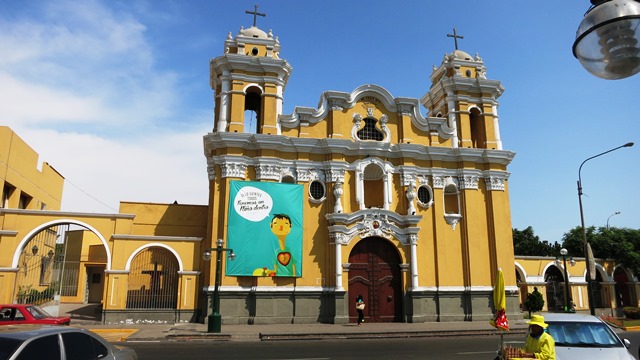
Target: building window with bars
369	131
317	191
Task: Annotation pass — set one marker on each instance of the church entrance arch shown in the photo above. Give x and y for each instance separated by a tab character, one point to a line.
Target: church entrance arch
374	273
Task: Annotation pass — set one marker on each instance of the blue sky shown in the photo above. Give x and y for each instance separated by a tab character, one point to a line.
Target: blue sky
116	96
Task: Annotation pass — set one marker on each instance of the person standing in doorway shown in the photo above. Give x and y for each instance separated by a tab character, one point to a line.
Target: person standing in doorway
360	308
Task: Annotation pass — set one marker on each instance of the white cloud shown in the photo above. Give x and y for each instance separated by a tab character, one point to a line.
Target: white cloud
102	172
80	85
81	63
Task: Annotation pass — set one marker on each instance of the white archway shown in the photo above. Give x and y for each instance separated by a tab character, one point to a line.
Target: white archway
146	246
38	229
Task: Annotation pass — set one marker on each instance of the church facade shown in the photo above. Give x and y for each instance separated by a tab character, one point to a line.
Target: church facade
410	211
361	195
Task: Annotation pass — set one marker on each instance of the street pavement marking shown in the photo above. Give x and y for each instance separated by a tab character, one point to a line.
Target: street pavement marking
115	335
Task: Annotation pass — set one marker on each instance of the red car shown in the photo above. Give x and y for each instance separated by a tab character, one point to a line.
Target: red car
29	314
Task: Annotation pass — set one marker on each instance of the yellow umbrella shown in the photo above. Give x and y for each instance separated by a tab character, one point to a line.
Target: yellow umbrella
500	303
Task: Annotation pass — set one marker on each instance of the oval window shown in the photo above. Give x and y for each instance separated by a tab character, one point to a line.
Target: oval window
317	190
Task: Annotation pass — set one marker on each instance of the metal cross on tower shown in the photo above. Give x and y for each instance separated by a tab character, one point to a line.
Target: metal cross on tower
255	14
455	37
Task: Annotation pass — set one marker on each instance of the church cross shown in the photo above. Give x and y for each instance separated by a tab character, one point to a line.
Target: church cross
455	37
255	14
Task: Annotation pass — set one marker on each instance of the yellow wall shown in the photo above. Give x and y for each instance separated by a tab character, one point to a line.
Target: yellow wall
19	169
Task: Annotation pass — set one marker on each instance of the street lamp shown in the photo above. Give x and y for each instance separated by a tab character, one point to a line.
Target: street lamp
607	39
584	231
614	214
567	294
215	319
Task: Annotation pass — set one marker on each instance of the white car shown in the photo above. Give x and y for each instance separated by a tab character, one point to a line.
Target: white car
585	337
57	343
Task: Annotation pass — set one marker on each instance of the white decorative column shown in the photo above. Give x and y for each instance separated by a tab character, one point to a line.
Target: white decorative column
278	107
413	239
223	115
360	189
387	189
453	124
496	127
339	240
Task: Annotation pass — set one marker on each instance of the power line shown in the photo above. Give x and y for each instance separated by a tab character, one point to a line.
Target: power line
89	195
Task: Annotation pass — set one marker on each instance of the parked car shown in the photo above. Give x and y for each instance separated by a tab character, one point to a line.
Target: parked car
29	314
58	343
585	337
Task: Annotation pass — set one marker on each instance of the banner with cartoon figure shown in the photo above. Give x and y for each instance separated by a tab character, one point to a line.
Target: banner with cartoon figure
265	229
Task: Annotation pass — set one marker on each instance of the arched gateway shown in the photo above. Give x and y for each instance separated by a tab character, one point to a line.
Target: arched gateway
374	273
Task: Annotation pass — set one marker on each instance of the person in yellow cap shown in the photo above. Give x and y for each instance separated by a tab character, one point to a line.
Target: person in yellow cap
539	344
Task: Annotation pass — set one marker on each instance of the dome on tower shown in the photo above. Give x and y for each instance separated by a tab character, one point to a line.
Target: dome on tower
253	32
461	55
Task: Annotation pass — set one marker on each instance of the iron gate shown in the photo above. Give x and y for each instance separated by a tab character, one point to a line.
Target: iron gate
44	272
153	280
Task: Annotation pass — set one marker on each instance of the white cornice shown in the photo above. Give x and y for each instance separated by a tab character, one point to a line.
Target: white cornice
285	144
249	64
373	222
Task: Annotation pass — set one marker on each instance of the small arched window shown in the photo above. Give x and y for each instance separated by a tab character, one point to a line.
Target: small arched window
252	110
478	134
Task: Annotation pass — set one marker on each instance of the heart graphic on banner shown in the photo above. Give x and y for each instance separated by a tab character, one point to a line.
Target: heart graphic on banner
284	258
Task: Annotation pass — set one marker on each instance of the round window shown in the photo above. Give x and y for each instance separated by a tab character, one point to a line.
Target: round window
425	195
254	51
317	190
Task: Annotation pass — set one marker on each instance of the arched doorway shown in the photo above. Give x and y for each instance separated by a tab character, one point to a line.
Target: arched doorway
555	288
153	280
598	291
374	273
61	262
623	295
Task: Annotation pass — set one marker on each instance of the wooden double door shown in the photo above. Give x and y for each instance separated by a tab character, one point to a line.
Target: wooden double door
374	273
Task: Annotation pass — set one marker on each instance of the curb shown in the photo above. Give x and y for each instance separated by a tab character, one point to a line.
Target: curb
323	336
197	337
387	335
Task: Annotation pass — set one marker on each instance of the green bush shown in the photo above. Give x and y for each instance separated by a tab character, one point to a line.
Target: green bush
534	301
631	312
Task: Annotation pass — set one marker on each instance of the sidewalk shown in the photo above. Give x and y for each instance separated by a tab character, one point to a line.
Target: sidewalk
276	332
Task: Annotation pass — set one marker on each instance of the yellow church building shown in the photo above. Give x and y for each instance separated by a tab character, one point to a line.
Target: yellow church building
361	195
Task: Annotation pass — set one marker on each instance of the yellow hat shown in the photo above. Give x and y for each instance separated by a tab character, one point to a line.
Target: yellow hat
538	320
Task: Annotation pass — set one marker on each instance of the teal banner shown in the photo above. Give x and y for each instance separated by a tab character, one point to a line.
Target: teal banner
265	229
